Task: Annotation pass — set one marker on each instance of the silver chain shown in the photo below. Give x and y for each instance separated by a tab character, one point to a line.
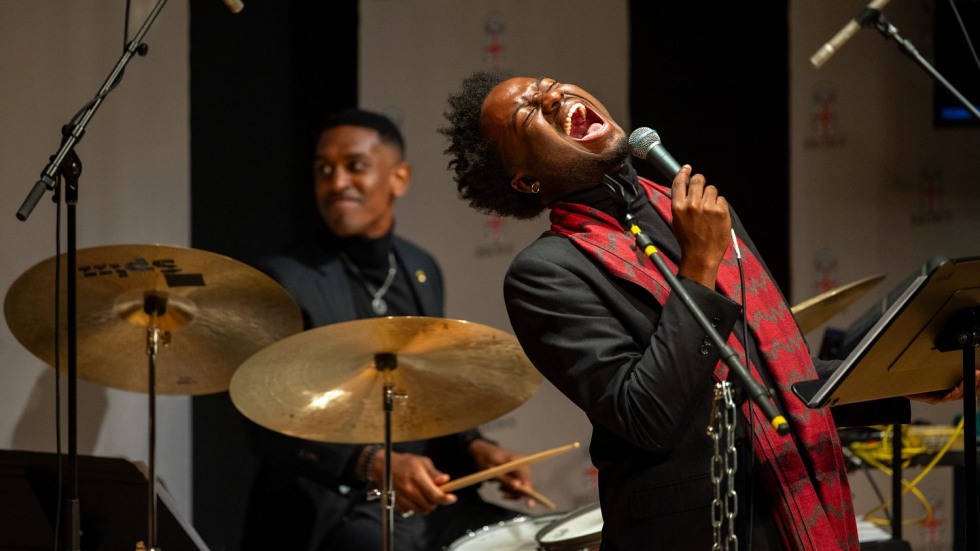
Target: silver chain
378	303
724	464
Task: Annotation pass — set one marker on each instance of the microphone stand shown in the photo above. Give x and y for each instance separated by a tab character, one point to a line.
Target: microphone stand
66	164
757	392
889	31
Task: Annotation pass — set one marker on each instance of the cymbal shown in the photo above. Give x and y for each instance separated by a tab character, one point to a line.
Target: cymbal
811	313
324	384
217	311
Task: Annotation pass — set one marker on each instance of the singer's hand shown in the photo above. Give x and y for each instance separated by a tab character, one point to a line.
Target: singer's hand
702	225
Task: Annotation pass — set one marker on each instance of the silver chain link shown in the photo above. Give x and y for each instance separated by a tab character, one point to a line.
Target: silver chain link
724	464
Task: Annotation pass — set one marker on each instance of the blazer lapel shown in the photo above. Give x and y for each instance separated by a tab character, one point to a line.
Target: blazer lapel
334	291
418	278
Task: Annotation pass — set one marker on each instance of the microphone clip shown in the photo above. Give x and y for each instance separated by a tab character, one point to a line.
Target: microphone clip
622	193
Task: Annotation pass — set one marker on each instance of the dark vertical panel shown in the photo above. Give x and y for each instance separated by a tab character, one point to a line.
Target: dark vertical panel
261	81
713	79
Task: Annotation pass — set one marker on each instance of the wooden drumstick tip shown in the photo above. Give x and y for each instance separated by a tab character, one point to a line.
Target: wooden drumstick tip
537	496
492	472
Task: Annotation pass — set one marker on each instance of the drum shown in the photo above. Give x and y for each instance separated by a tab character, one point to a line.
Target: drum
579	530
510	535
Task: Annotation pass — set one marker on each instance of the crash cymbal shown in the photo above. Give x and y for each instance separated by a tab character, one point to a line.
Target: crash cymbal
217	311
813	312
324	384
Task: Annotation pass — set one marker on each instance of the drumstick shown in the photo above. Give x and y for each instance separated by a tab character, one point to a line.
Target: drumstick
487	474
537	496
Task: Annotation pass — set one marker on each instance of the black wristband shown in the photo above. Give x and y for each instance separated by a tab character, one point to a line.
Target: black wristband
364	468
468	439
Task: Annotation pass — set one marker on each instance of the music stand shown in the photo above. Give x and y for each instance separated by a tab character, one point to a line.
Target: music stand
114	490
906	353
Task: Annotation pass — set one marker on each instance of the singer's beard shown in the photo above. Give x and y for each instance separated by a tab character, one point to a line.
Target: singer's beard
586	173
617	156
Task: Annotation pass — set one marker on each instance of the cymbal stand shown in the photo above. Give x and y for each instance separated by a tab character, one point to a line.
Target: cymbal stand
386	363
70	171
154	306
65	160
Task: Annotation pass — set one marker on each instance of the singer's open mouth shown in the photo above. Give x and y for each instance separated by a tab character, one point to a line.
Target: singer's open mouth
582	123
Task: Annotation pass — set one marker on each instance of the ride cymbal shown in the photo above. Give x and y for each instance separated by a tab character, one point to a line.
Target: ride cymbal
813	312
328	383
217	311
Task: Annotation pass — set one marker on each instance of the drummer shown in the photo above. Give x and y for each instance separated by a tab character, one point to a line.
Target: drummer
310	495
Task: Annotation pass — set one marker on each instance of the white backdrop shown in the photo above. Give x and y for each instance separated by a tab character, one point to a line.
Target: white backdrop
413	54
134	188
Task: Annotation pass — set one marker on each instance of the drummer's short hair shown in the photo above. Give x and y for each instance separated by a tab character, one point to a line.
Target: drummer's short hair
385	127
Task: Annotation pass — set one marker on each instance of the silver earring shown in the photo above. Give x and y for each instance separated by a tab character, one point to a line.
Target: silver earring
536	187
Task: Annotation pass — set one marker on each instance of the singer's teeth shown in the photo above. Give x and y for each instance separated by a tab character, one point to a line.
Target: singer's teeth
577	110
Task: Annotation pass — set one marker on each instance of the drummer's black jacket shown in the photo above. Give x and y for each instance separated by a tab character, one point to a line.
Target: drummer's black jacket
303	488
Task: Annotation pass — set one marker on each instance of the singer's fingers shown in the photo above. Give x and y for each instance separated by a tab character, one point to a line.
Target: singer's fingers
710	194
695	189
678	188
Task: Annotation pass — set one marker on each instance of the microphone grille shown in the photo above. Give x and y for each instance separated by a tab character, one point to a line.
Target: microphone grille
642	140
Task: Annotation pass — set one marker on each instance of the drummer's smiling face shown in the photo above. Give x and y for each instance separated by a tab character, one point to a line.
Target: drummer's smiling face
358	177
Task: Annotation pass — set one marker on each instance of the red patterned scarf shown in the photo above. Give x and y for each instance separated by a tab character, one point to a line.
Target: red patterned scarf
813	513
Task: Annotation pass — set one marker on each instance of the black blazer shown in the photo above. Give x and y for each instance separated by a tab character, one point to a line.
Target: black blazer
303	488
641	372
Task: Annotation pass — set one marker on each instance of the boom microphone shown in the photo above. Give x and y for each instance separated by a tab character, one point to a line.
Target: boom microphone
853	26
645	144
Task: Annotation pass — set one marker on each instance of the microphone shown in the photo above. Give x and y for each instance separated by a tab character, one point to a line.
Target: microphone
234	5
853	26
645	144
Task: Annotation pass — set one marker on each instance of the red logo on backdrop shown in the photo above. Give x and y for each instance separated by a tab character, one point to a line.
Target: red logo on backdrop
495	27
495	241
930	198
826	266
824	121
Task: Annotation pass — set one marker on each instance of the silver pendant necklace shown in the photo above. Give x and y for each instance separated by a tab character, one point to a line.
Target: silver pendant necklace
378	303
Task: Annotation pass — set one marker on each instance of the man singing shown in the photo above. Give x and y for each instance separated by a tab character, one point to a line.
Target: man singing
596	317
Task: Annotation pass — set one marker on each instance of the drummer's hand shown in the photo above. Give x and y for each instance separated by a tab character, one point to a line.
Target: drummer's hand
415	481
486	454
940	396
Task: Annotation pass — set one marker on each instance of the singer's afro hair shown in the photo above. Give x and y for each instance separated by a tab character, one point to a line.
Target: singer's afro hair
480	175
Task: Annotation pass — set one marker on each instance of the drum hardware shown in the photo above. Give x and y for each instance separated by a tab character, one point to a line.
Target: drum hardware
209	311
323	384
517	534
578	530
813	312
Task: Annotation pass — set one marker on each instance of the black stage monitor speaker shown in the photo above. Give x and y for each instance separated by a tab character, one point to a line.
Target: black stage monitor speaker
112	496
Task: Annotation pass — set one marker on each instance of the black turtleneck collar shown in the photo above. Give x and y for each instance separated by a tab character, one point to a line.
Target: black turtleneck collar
365	252
598	196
